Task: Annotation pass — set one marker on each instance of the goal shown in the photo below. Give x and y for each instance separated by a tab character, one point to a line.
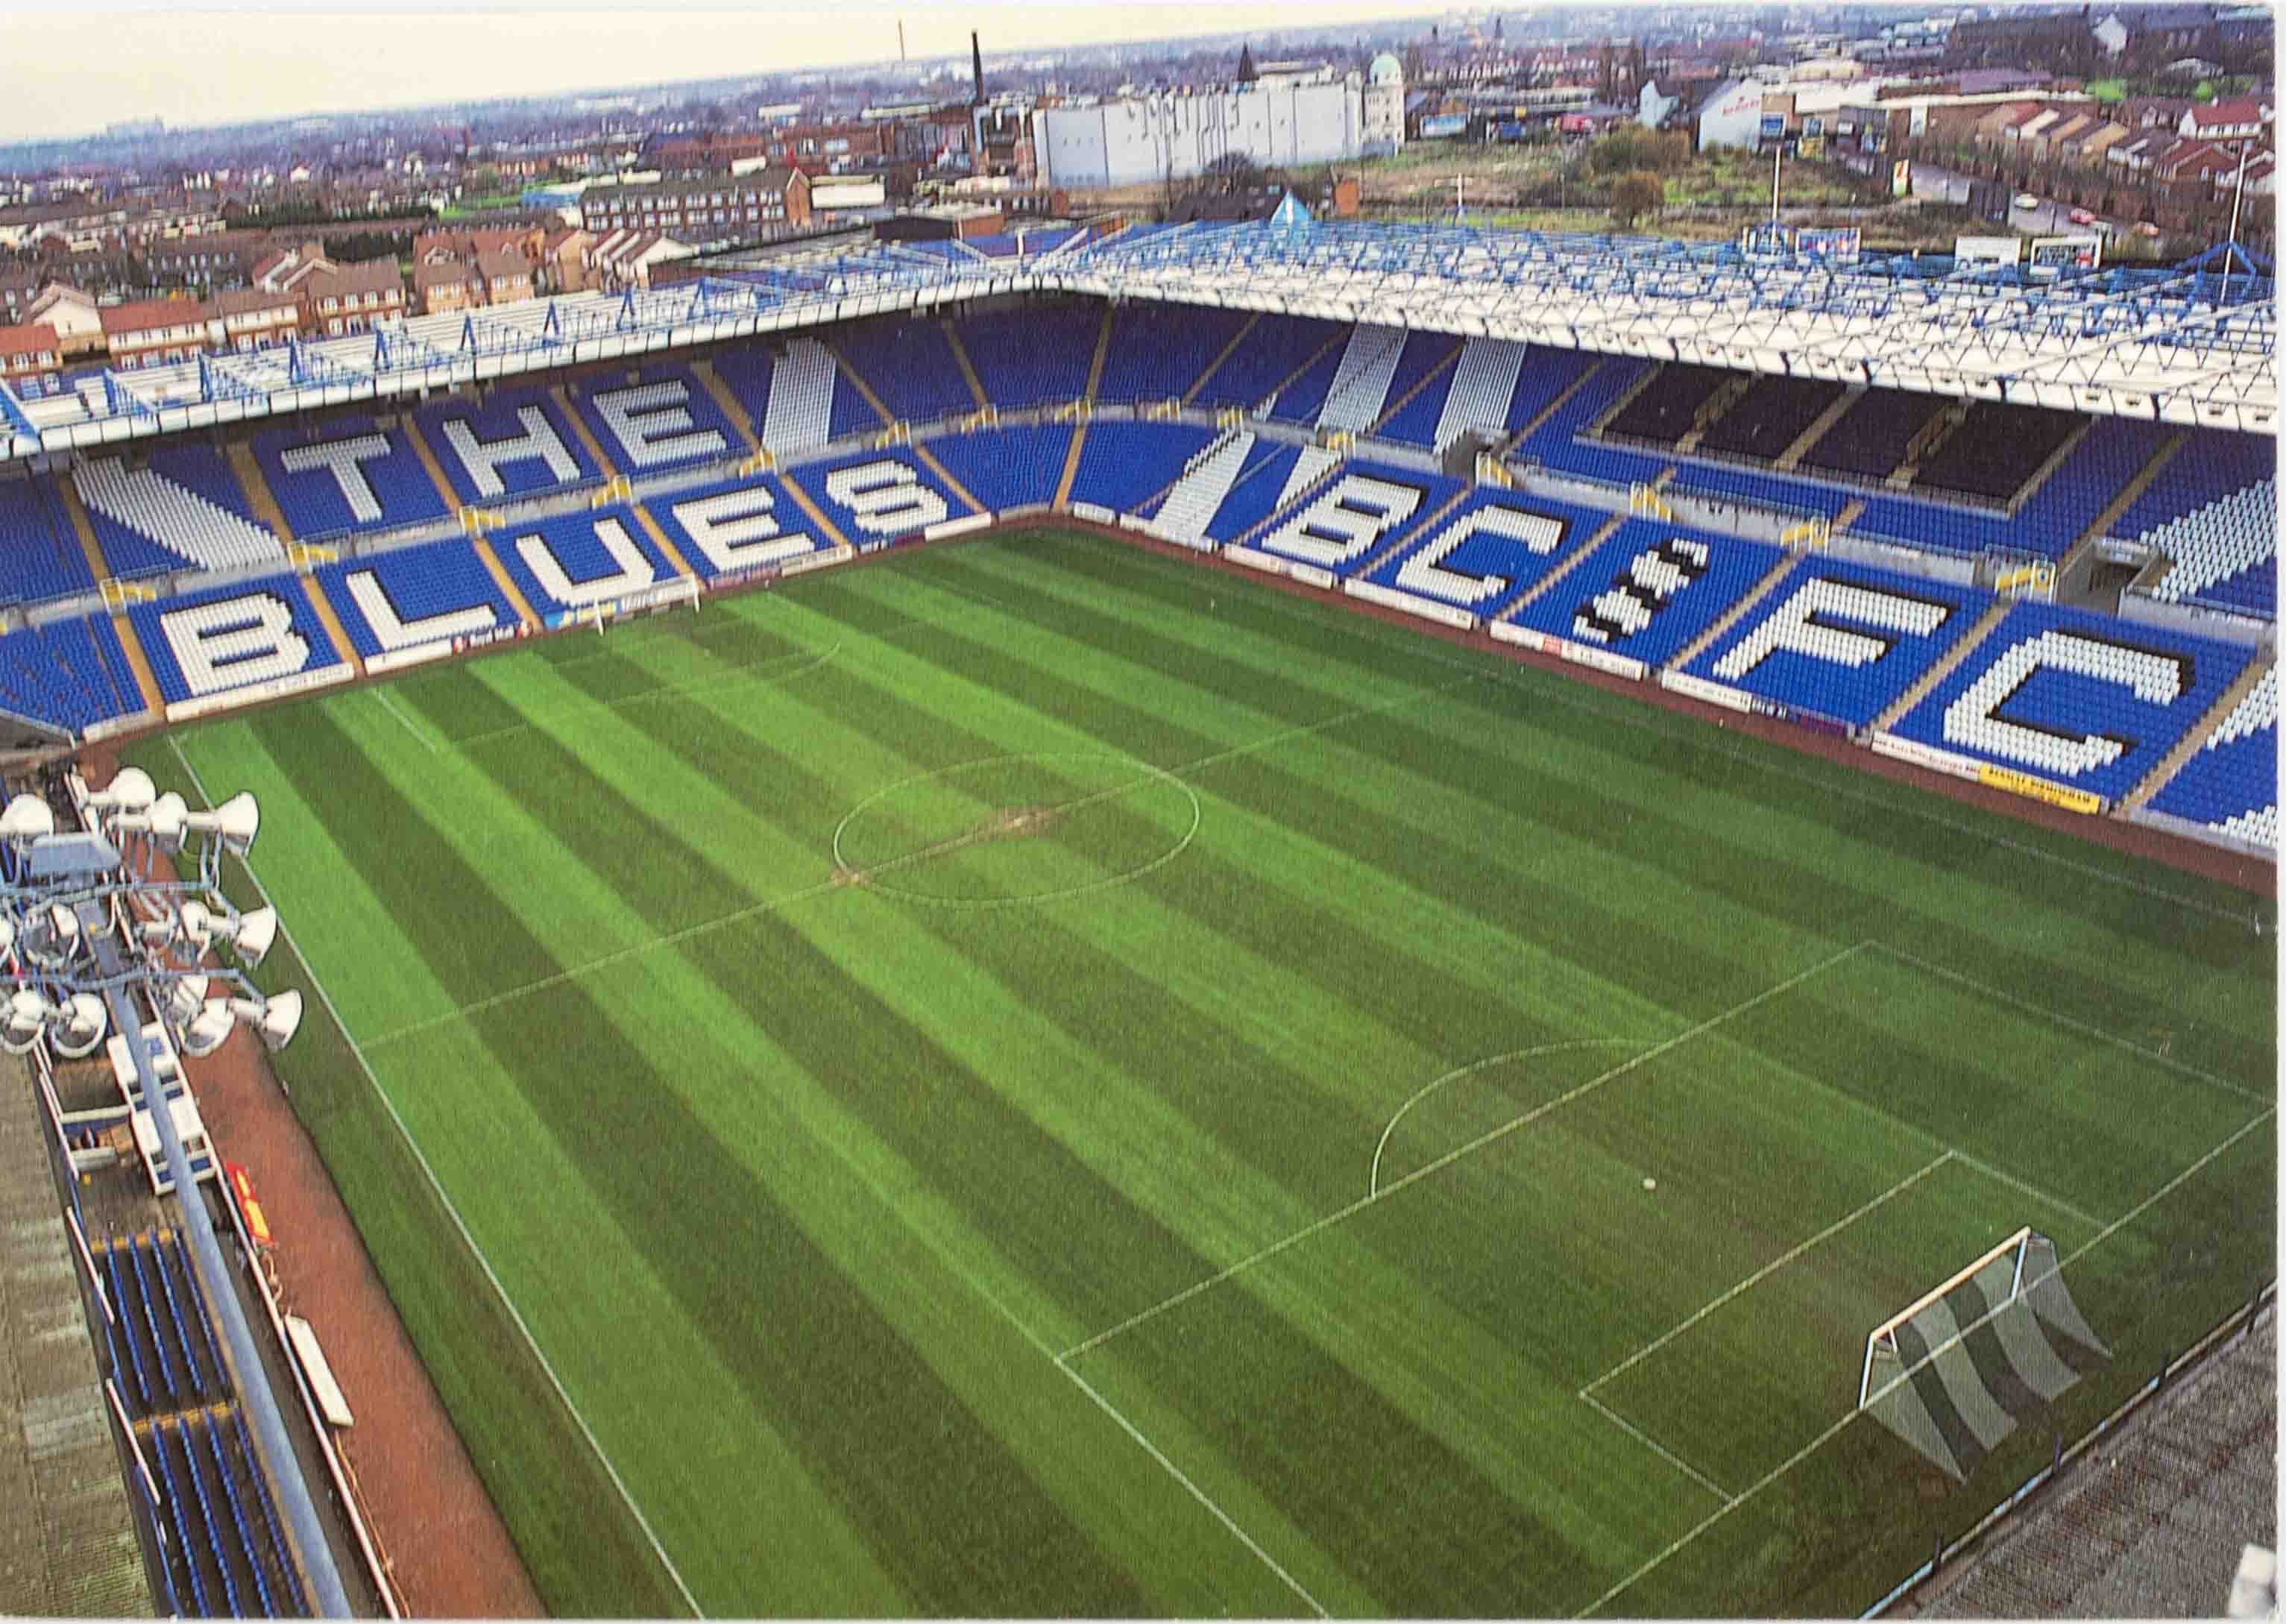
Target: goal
1955	1372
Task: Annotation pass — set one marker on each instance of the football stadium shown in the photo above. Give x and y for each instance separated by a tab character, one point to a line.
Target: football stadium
1284	918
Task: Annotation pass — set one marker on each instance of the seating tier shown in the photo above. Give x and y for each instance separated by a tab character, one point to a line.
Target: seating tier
345	477
2079	699
1840	641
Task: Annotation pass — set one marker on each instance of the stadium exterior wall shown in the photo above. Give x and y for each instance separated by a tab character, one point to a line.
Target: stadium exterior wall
1174	137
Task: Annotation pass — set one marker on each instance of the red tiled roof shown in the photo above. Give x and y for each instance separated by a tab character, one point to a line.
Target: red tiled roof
146	314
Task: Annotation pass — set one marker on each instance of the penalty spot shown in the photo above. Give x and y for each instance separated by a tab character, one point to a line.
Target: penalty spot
1650	1184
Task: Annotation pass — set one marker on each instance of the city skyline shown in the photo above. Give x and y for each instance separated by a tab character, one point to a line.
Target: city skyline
126	63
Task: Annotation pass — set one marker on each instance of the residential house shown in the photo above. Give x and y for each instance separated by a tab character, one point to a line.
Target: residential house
624	258
29	350
71	312
443	286
350	298
701	209
505	276
2238	119
253	318
18	289
154	332
562	260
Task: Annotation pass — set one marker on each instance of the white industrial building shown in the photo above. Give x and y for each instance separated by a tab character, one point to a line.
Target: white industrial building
1179	135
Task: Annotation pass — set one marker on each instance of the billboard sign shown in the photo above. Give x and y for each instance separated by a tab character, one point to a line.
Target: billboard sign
1901	177
1971	252
1811	146
2052	256
1440	124
1773	126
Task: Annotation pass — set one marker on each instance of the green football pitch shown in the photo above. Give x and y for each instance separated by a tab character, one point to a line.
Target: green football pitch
1031	1077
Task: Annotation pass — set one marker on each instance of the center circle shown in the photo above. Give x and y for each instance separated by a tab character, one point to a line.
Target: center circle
1016	828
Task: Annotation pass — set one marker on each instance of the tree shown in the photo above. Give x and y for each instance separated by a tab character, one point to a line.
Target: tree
1607	76
1636	195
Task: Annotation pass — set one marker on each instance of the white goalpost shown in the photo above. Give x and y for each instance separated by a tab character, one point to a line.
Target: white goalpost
1955	1373
1881	1348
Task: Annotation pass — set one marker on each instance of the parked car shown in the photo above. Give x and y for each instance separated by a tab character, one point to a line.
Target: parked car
2082	217
2145	228
2025	200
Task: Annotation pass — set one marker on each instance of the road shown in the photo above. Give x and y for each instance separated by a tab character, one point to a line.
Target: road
2049	219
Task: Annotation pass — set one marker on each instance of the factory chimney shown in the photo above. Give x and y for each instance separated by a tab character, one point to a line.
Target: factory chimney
976	56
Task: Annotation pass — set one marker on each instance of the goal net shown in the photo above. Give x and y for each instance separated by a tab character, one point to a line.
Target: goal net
1955	1372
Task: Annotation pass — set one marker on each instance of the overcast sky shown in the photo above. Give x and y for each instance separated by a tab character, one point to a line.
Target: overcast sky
73	71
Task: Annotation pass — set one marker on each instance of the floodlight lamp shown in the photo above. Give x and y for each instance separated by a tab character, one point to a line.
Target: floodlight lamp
256	930
81	1026
205	1031
279	1019
26	819
198	924
162	820
236	821
186	997
25	1018
130	789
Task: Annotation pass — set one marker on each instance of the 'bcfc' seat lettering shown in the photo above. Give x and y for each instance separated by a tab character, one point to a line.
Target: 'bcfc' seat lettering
1649	584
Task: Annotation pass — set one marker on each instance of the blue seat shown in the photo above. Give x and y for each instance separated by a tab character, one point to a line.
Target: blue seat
389	490
1008	468
1121	465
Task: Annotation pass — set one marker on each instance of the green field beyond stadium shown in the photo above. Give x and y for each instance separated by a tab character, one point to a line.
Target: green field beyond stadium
1033	1078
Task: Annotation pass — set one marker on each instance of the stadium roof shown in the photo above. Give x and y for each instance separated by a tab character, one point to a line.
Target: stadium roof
2178	344
2184	345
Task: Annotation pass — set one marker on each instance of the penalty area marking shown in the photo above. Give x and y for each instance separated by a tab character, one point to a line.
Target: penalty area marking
1839	1427
1373	1177
459	1222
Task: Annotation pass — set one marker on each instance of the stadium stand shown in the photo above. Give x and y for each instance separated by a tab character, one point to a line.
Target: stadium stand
567	564
1484	382
183	509
2213	510
1649	589
206	643
1159	351
1274	347
69	673
1206	477
1414	407
737	525
1868	441
1009	468
876	498
1361	382
1662	411
1342	527
908	364
2053	516
1121	465
2079	699
1997	446
40	558
1542	379
1840	641
1257	491
1032	356
1487	553
2230	782
515	442
1304	399
656	418
1769	417
347	476
398	600
1554	444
